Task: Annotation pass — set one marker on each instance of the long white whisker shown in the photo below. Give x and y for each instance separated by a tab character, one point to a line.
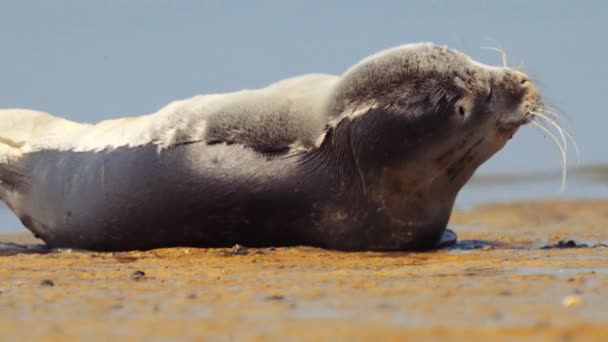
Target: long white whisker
576	149
555	114
551	113
502	53
557	126
563	133
563	154
552	110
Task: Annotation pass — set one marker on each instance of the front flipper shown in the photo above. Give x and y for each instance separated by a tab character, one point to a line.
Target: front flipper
448	239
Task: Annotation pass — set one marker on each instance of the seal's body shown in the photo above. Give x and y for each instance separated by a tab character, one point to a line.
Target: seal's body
372	160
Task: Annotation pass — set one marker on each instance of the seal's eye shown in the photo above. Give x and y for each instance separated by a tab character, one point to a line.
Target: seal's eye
490	94
461	110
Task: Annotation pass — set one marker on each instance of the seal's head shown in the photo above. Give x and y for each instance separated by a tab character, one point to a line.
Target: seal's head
439	96
419	120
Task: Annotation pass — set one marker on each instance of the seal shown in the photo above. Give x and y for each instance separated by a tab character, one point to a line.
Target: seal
370	160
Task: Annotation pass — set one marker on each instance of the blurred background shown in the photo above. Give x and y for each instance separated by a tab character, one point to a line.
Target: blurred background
95	60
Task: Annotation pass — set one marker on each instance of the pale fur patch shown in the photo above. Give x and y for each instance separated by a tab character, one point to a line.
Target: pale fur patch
23	130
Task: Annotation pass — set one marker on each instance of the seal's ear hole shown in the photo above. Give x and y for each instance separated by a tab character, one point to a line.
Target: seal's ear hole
461	110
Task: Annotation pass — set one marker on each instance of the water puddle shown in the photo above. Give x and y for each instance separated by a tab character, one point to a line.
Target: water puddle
13	248
557	271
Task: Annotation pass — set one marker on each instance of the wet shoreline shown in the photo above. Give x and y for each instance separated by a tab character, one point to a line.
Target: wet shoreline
521	270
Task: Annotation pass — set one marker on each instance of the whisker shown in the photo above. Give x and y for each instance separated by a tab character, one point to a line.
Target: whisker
552	107
559	114
563	154
563	116
552	110
554	123
576	149
568	135
550	113
502	53
556	115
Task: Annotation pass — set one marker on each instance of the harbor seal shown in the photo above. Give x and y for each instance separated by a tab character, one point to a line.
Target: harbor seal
369	160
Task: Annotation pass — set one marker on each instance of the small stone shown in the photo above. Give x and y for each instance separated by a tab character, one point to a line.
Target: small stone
579	280
47	283
572	301
566	244
275	297
138	275
239	250
487	248
192	296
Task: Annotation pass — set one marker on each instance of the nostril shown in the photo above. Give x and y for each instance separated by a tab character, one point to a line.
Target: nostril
523	81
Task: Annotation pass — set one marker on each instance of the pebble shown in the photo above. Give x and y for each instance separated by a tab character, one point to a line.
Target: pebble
275	297
566	244
572	301
138	275
47	282
239	250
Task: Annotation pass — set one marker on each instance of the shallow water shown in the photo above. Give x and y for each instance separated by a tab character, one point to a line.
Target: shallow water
486	189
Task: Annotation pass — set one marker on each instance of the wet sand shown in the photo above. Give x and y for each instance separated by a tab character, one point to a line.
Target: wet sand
509	278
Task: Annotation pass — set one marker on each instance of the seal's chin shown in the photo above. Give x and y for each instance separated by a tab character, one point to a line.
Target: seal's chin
507	128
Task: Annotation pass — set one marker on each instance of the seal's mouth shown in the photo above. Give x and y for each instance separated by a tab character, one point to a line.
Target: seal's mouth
508	128
546	120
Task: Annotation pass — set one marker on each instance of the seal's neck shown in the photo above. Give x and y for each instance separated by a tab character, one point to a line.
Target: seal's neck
408	175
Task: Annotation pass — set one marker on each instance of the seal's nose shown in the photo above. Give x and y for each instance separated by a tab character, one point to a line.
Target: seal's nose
532	101
526	94
521	98
522	81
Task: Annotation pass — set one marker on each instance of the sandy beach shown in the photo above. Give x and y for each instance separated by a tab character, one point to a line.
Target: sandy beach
523	271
